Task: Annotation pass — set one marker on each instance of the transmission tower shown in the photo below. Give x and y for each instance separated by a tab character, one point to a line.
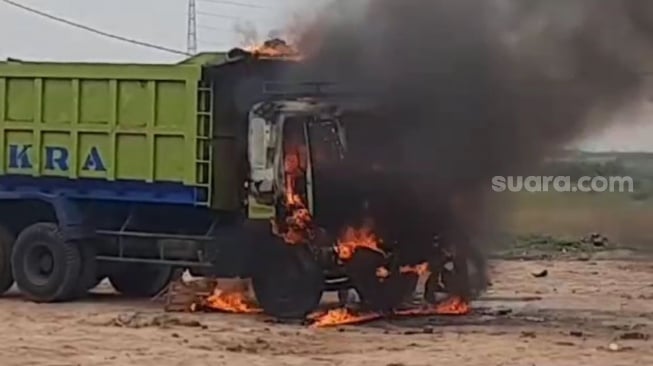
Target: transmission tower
191	34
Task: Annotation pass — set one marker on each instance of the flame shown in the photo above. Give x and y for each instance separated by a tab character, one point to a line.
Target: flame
297	226
343	316
353	239
275	49
455	305
232	301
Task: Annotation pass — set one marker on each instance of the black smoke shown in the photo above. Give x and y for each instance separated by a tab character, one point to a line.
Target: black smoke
470	89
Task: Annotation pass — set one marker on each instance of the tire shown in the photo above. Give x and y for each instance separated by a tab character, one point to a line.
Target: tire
6	276
141	280
46	267
88	274
378	294
466	278
289	284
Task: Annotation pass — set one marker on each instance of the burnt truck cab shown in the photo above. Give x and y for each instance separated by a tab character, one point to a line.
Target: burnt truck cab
307	185
313	129
306	203
273	125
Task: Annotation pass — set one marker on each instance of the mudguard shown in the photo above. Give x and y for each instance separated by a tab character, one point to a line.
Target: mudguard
68	213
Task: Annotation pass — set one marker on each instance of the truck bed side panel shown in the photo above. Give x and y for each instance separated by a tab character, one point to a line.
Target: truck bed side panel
103	131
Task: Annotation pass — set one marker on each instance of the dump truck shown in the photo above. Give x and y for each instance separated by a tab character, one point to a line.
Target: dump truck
136	172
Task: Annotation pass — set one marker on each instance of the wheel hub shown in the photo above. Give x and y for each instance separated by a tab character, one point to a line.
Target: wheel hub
39	264
46	264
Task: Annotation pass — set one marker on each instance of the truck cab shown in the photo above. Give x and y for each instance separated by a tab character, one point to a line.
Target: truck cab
274	127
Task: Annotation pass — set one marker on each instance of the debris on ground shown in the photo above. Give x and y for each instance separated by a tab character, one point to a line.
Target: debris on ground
540	274
210	294
183	296
616	347
634	336
248	346
503	312
138	320
597	240
565	343
528	334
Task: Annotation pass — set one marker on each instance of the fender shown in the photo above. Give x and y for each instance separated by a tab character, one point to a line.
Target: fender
69	216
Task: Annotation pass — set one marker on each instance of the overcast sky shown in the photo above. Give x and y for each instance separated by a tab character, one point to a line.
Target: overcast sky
163	22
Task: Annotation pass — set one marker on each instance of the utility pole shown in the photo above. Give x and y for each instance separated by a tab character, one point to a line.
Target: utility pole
191	34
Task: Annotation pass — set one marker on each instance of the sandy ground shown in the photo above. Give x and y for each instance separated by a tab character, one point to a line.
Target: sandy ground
573	316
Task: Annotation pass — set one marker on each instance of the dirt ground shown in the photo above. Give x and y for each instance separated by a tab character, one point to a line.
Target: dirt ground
593	312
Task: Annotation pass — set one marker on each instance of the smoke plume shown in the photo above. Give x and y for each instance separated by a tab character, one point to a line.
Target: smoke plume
469	89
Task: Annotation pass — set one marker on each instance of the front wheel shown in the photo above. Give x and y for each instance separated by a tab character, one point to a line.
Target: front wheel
378	292
289	284
465	277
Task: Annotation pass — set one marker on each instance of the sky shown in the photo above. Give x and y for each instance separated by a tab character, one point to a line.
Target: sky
164	22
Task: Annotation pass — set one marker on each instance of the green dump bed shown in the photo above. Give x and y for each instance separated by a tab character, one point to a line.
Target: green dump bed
106	131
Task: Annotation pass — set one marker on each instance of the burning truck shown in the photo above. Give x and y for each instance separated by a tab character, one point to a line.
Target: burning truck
219	165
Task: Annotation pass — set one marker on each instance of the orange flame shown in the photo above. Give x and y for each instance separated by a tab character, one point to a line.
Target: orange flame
297	228
343	316
453	306
276	49
353	239
232	301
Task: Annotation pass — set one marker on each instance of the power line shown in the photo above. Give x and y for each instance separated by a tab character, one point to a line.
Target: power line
94	30
235	3
230	17
219	29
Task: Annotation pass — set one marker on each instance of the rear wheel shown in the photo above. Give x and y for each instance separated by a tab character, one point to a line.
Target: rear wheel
6	243
46	266
289	283
141	280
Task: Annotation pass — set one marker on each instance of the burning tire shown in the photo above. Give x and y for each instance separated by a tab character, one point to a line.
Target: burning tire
141	280
464	277
6	243
46	266
378	292
289	283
